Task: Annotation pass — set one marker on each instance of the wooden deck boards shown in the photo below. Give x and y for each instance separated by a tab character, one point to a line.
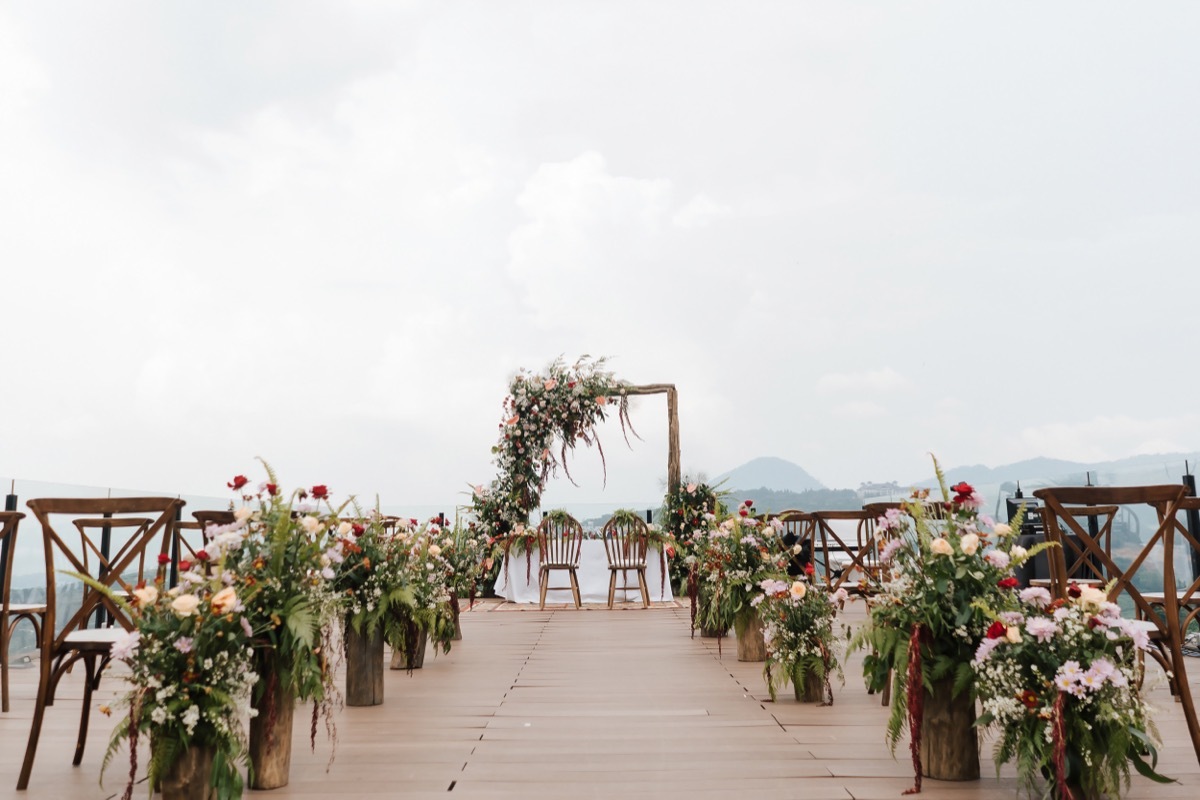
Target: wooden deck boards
582	704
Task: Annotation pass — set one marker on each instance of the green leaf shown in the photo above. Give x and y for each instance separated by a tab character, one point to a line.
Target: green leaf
302	623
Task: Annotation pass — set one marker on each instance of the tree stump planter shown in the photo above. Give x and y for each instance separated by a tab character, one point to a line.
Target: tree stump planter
709	633
750	643
364	667
271	733
189	778
813	692
949	746
413	655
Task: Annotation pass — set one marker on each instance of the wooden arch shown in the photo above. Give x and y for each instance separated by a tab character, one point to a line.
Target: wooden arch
673	469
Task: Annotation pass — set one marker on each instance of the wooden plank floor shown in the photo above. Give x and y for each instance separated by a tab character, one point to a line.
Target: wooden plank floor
582	704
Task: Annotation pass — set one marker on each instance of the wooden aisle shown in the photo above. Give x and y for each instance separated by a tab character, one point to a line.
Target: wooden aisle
580	704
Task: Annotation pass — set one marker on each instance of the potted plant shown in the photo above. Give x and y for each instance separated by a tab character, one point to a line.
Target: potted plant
429	618
945	565
736	556
191	669
373	584
1058	682
802	647
287	553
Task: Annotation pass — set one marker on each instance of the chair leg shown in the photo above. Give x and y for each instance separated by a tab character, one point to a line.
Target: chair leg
91	678
575	588
1185	691
544	581
612	586
5	634
35	727
641	573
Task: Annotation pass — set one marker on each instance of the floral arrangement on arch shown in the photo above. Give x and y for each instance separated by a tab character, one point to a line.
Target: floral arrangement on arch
561	406
191	669
798	629
731	560
950	569
286	549
1058	682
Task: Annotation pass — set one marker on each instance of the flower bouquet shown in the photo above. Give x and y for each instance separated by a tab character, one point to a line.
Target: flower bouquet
801	645
732	560
373	585
286	551
947	564
1058	684
685	514
427	574
191	669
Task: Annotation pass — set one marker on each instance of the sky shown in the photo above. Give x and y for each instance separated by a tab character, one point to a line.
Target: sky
851	234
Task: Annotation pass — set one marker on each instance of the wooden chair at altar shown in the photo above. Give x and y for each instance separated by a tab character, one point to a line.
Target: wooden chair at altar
1079	567
625	543
560	544
845	557
86	634
13	613
1095	547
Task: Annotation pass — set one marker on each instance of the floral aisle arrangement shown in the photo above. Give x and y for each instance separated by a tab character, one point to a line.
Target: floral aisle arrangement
427	573
192	670
1058	683
287	550
732	560
685	513
561	404
947	566
466	550
802	647
371	579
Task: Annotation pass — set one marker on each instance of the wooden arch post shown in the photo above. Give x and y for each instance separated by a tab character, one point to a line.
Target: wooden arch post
673	469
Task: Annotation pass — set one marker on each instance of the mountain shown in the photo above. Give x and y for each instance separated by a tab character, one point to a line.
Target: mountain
768	472
1041	471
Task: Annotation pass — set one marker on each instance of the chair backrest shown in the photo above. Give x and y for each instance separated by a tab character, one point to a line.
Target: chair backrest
207	518
560	539
1188	542
8	539
797	532
860	550
625	540
1067	515
143	527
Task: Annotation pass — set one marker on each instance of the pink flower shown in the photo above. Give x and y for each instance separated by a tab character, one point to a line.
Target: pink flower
997	558
550	384
985	649
1041	628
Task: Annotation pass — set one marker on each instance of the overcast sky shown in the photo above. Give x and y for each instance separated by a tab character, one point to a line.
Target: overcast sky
850	233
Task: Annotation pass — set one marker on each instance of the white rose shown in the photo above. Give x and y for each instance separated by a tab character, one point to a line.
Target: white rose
146	596
344	529
1091	597
798	590
185	605
941	547
1018	552
310	524
224	601
434	550
244	513
1002	529
1013	634
969	544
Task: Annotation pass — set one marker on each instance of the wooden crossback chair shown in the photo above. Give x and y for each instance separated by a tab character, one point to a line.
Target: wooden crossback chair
67	637
13	613
625	542
1188	544
844	558
798	537
560	544
1167	633
1078	566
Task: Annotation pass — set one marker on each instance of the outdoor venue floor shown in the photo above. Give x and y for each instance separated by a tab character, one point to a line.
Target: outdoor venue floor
580	704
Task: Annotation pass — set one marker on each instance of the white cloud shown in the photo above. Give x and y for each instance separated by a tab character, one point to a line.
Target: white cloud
870	382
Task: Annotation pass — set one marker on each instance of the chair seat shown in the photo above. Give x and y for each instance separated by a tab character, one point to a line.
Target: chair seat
1045	582
629	565
94	637
559	565
26	608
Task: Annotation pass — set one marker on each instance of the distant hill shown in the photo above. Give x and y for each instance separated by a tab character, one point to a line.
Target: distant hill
1041	471
768	472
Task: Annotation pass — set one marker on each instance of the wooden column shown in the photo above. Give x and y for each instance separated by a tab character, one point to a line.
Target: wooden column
673	468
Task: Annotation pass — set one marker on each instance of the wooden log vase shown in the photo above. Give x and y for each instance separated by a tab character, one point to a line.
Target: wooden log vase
270	737
364	667
750	643
190	777
949	745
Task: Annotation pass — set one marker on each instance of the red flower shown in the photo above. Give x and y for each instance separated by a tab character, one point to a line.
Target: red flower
163	558
745	512
1095	622
272	489
238	482
357	529
748	503
1028	698
963	488
1073	591
185	565
202	555
320	491
670	551
1008	583
809	569
997	630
